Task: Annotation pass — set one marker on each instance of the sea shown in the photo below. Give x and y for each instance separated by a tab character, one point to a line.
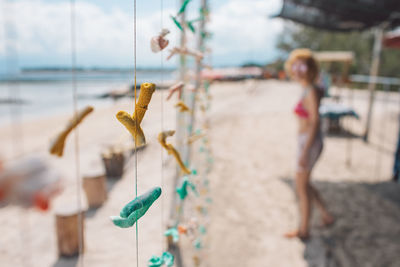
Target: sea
43	93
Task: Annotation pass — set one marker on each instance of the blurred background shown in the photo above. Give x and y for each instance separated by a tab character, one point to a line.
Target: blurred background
237	137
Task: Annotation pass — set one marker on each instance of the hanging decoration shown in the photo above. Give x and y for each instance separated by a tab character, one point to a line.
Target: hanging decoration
135	209
182	190
191	229
57	146
182	106
132	123
159	42
166	258
180	12
174	233
192	211
196	136
190	23
178	87
185	51
171	150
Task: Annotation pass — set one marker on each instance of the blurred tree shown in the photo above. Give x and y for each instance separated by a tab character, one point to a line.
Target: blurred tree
296	36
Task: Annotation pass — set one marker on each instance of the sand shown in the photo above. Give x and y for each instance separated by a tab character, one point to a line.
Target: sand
254	202
253	139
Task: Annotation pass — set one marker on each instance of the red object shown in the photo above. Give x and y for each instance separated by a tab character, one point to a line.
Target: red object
282	75
41	202
392	41
182	229
300	110
2	194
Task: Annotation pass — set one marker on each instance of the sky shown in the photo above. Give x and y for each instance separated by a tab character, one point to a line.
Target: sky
242	31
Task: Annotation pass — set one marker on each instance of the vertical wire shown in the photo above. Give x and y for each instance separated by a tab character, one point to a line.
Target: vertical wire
17	146
162	129
398	123
381	133
13	88
136	159
350	128
180	119
76	132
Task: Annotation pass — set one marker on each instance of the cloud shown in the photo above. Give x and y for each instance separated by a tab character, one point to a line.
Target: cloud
243	29
104	37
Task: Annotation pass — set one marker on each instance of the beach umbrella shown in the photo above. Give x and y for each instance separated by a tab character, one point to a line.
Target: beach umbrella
342	15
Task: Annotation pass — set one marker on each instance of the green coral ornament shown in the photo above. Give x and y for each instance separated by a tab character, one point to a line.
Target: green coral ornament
182	191
197	244
177	23
190	25
166	258
202	230
174	233
183	7
155	261
135	209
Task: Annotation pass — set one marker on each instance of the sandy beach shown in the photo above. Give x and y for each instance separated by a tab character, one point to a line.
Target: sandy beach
253	139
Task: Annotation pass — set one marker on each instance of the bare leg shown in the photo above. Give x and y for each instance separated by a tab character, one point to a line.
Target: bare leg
305	196
327	218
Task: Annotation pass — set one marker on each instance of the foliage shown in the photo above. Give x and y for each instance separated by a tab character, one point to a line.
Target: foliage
361	43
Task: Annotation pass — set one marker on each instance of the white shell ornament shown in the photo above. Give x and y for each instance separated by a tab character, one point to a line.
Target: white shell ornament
158	43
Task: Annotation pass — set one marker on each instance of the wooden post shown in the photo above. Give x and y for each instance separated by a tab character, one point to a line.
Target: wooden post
350	129
96	190
376	54
180	120
201	48
113	163
68	230
345	79
174	249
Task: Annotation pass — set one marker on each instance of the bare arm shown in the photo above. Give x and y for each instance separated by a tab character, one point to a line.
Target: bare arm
313	109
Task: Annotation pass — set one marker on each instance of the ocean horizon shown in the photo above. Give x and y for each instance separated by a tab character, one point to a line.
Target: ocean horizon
44	93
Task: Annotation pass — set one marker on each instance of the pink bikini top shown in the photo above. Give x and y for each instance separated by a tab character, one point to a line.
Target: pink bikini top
299	109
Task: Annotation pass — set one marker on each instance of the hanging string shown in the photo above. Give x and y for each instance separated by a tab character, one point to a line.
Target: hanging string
180	120
398	129
350	129
11	70
76	132
17	148
382	130
162	130
136	159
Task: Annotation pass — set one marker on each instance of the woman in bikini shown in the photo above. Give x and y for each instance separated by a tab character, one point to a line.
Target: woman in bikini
303	68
